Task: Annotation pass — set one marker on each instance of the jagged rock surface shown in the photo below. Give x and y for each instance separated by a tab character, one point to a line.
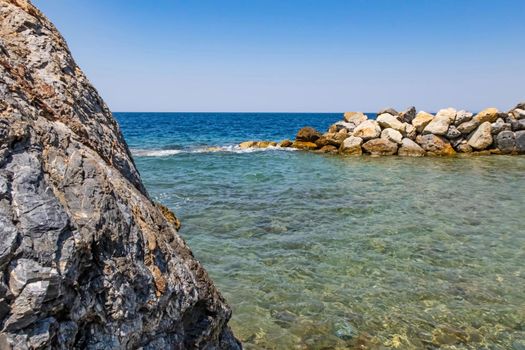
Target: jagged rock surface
87	260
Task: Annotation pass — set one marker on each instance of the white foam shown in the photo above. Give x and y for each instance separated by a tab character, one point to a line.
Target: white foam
211	149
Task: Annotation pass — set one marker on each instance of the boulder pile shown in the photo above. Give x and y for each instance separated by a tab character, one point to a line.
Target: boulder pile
416	134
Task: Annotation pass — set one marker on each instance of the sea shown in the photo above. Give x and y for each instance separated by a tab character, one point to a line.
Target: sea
316	251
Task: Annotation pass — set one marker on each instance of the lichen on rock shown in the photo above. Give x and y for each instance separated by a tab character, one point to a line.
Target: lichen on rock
87	260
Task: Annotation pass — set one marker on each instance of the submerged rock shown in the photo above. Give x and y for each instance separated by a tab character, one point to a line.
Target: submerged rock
87	260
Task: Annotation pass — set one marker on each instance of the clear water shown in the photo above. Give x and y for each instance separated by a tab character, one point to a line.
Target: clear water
321	252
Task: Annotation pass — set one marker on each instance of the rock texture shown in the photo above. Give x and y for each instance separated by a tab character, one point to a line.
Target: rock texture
420	134
87	260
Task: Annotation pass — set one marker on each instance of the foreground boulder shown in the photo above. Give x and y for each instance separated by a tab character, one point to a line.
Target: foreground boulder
367	130
410	149
482	137
87	260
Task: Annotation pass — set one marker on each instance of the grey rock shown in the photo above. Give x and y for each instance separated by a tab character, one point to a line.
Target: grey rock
468	127
408	115
506	142
517	125
462	117
87	260
518	113
499	126
390	111
453	133
520	141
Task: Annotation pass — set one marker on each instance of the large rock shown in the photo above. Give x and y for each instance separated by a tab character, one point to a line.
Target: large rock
462	117
340	126
518	113
351	146
439	124
392	135
520	141
499	126
307	134
408	115
506	141
380	147
517	125
421	120
389	110
88	261
332	139
389	121
355	118
367	130
410	149
487	115
452	133
435	145
467	127
482	137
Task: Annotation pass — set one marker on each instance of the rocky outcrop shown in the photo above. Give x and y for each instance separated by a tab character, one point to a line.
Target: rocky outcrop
418	134
87	260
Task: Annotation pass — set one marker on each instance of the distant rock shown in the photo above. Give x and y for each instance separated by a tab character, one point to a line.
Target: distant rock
520	141
482	137
453	132
247	144
487	115
351	146
285	143
307	134
469	126
390	111
355	118
410	149
462	117
304	145
380	147
435	145
392	135
408	115
438	125
387	120
506	142
421	120
499	126
367	130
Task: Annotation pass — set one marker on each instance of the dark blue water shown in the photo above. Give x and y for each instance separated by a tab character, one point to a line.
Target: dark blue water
327	252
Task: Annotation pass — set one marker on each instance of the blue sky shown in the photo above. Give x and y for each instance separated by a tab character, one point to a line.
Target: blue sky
297	55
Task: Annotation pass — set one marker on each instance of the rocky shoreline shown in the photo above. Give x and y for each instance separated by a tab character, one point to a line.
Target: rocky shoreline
415	134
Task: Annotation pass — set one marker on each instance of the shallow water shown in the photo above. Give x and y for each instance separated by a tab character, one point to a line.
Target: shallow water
322	252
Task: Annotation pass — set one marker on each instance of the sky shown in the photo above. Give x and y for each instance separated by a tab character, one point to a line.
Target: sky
297	55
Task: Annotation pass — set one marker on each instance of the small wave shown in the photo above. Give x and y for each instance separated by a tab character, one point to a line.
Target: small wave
211	149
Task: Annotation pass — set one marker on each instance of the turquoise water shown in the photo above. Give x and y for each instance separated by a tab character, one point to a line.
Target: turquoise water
321	252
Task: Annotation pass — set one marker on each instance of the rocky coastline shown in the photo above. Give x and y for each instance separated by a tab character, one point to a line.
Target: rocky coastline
415	134
87	259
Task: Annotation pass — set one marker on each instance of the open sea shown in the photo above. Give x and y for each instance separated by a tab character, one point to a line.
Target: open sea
320	251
